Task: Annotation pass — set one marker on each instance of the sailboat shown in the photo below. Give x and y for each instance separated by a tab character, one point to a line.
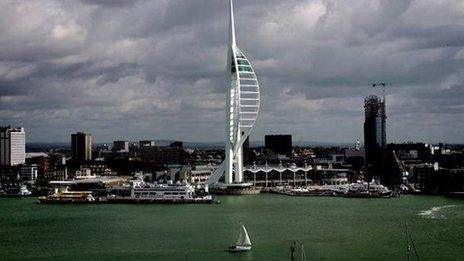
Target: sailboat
243	242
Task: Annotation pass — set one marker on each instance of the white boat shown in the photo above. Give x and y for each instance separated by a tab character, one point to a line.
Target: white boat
243	242
183	192
23	191
363	189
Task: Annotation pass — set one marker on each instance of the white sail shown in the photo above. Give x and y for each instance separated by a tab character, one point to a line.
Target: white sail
243	238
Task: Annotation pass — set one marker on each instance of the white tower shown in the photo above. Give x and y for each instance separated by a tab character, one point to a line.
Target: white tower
242	107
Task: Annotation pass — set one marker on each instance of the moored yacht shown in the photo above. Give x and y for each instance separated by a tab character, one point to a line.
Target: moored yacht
363	189
65	196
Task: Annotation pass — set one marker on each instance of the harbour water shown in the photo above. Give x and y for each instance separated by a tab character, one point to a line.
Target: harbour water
331	228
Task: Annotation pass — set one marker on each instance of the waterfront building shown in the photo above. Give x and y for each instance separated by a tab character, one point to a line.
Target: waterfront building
39	160
270	175
57	172
12	146
99	168
412	152
242	107
281	144
330	159
428	178
354	157
29	172
81	147
84	173
9	177
159	156
146	143
375	139
451	159
199	174
120	146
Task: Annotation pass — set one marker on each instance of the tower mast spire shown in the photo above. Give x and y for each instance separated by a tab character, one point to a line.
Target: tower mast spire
232	25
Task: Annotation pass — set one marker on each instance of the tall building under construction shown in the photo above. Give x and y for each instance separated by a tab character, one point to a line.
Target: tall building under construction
375	137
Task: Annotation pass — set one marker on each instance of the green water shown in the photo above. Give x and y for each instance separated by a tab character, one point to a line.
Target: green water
330	229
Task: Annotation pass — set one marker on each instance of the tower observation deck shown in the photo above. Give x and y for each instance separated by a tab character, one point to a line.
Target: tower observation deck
242	107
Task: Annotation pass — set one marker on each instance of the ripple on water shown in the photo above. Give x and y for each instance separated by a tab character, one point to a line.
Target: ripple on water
436	212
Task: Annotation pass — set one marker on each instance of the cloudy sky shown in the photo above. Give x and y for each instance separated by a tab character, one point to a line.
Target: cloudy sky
156	69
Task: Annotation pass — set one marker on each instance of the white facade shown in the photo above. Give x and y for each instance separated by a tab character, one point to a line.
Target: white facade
85	173
29	172
201	174
242	107
12	146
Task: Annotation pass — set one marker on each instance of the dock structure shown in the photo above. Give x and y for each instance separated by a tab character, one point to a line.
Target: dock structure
270	175
258	171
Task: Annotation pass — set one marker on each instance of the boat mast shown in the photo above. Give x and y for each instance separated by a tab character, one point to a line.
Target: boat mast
303	254
410	244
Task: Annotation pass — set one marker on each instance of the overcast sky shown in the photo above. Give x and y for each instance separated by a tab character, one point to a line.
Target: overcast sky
156	69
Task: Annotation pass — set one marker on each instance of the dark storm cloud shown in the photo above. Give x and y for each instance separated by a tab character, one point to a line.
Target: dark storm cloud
156	69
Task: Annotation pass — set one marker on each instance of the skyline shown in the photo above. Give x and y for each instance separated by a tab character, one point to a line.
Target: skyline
122	70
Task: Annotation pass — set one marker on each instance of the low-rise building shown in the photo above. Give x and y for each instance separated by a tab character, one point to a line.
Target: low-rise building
57	172
199	174
84	173
157	157
29	173
281	144
120	146
146	143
